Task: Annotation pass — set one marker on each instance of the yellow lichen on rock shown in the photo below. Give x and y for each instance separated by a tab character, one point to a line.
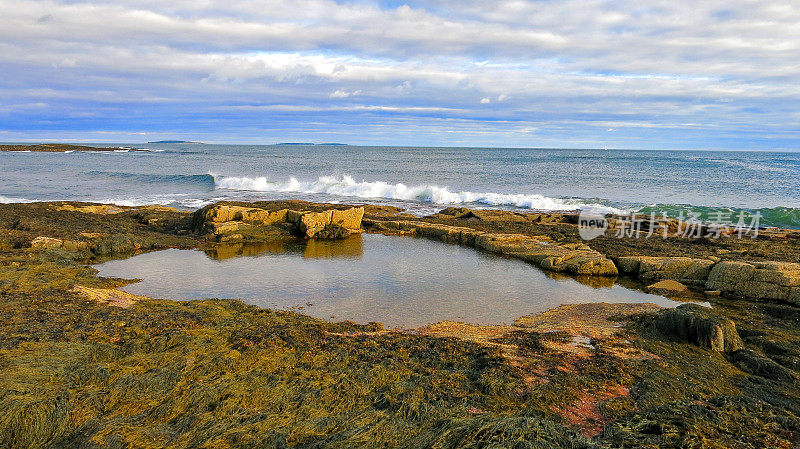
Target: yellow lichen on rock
110	296
43	242
590	320
101	209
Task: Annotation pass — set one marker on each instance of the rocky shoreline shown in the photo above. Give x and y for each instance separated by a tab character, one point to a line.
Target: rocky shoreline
60	148
83	365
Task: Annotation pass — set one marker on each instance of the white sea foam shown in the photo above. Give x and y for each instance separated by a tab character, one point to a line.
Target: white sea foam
348	187
179	200
13	199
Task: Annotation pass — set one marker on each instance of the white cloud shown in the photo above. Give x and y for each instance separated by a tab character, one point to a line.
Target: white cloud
569	63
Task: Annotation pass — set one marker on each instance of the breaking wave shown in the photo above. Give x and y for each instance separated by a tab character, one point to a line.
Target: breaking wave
346	186
13	199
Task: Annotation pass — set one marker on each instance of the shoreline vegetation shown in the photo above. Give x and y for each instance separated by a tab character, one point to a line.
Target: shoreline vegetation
60	148
83	364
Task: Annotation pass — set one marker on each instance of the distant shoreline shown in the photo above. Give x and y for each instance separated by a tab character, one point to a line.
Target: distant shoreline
60	148
177	141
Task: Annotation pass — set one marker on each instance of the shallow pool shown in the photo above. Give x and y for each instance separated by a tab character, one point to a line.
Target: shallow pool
399	281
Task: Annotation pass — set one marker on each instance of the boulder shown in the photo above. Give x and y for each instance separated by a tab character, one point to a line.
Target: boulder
332	232
293	216
348	218
261	216
629	265
224	219
777	281
457	212
227	227
223	212
700	326
582	262
310	223
683	269
50	242
46	242
668	287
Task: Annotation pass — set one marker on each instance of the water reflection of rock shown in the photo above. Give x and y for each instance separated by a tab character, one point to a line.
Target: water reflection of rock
591	281
349	248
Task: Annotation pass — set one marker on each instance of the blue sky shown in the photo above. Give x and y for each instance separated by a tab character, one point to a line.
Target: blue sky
621	74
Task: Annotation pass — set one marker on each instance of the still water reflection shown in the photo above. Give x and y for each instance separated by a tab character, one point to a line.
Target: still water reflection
399	281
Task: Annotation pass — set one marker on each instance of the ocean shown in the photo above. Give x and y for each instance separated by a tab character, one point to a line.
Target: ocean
422	180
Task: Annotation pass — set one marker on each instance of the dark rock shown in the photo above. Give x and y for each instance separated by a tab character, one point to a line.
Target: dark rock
700	326
754	363
332	232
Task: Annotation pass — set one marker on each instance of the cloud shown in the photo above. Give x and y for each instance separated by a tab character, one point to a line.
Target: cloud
559	67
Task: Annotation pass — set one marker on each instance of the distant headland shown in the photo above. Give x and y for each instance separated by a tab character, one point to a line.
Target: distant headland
175	141
312	144
61	148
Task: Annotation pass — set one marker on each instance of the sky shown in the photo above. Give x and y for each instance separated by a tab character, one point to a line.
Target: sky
550	73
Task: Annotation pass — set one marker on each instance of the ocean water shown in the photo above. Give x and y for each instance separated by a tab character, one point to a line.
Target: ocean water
422	180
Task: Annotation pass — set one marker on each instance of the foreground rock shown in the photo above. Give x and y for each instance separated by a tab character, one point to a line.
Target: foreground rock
700	326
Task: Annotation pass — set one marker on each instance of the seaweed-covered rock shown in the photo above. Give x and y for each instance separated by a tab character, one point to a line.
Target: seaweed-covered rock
700	326
756	364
